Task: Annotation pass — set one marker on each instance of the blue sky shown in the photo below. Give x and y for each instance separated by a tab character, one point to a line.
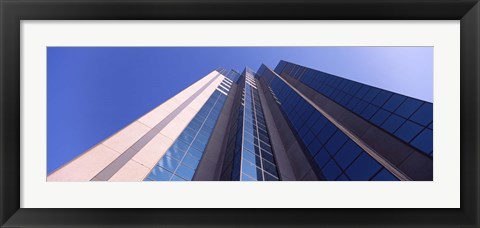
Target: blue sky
95	91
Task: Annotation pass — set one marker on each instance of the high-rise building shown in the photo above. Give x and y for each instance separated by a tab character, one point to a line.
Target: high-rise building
289	124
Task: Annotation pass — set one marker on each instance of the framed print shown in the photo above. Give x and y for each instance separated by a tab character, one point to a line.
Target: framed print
281	113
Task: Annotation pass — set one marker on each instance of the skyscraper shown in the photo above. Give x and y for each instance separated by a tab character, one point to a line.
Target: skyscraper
290	123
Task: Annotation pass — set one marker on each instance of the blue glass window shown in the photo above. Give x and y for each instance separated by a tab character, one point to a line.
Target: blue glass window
331	170
269	167
363	168
317	127
424	115
182	158
322	158
314	147
381	98
267	156
363	91
189	131
168	163
360	107
369	111
394	102
185	172
269	177
199	145
348	86
190	161
352	103
371	94
342	178
194	152
308	137
347	154
393	123
355	88
249	168
250	156
408	130
176	178
424	141
174	152
384	175
380	116
407	108
326	132
337	156
180	145
335	142
159	174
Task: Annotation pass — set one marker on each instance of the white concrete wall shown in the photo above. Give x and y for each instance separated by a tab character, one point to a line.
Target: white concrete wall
149	155
87	165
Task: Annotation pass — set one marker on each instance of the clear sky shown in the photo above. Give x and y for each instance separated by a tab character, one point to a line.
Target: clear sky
93	92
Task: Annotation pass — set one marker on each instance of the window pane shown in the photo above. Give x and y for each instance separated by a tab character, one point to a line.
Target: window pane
369	111
380	116
394	102
335	142
326	132
381	98
177	178
424	115
249	169
371	94
194	152
408	130
322	158
268	177
331	170
393	123
190	161
185	172
347	154
360	107
342	178
407	108
168	163
159	174
174	152
384	175
314	147
363	168
424	141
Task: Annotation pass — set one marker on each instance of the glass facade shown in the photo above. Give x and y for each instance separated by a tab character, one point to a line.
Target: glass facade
331	154
408	119
181	159
230	74
334	155
249	154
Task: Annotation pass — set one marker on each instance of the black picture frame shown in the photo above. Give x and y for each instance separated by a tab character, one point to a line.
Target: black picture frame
13	11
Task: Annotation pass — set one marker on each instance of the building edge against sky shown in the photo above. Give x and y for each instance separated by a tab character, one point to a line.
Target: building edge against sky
290	123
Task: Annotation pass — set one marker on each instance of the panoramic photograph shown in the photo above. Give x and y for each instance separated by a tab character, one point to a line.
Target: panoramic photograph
131	114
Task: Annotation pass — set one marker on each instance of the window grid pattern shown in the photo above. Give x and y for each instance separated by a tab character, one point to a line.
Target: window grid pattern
409	119
230	74
231	167
335	155
249	154
181	159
